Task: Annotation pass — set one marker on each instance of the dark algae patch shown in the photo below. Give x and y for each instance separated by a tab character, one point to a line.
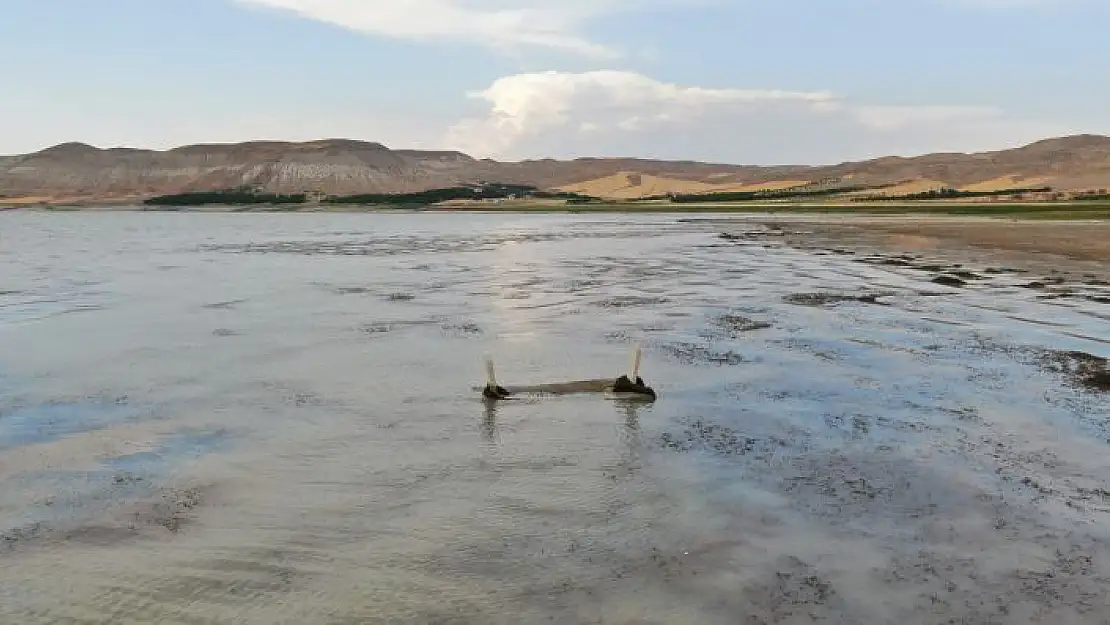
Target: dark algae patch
225	305
700	434
173	510
830	299
352	290
170	510
625	301
693	353
951	281
965	275
793	592
737	324
461	328
1080	368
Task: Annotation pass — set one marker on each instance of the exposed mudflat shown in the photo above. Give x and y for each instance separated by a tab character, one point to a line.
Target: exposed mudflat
272	419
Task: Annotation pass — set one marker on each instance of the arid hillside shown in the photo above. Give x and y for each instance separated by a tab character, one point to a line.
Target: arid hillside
79	172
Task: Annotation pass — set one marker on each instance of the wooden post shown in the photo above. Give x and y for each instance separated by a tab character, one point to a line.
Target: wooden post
634	372
491	377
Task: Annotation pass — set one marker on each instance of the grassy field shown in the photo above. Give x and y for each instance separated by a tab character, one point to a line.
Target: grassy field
1038	210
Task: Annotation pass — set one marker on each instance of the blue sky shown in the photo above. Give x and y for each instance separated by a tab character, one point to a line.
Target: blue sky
746	81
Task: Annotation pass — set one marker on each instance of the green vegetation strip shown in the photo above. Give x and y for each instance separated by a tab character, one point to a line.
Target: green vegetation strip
1041	210
249	197
522	198
233	197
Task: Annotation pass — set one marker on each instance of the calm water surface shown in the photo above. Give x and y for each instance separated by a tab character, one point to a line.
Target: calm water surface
270	419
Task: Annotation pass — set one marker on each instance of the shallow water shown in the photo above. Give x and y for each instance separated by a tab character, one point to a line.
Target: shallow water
270	419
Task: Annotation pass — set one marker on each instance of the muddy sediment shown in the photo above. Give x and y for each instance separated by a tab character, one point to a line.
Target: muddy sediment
1076	251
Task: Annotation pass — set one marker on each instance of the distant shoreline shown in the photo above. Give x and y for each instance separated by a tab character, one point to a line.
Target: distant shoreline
362	175
1045	210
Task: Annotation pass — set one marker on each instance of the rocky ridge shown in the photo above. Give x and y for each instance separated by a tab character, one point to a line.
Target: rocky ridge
76	171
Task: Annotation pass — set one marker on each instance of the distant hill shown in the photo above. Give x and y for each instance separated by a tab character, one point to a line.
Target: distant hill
80	172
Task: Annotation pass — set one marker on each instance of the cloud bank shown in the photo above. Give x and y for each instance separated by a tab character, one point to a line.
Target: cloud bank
626	113
613	112
529	105
508	25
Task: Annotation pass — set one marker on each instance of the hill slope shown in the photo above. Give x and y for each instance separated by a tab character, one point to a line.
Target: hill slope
342	166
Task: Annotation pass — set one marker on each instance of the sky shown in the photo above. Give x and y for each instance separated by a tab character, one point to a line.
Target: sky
734	81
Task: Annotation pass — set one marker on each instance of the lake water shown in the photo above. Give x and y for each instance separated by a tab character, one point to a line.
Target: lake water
265	418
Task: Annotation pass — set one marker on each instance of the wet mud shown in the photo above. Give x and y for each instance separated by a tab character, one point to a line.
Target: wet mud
285	427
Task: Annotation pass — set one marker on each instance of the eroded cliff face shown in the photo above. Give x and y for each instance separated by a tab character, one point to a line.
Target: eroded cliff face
342	166
324	166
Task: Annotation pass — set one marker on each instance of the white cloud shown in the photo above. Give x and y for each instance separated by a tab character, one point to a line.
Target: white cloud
501	24
528	105
513	24
624	113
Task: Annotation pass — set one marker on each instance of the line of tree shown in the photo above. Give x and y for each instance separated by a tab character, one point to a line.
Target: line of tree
229	197
434	196
1100	194
489	191
569	196
769	194
248	196
950	193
